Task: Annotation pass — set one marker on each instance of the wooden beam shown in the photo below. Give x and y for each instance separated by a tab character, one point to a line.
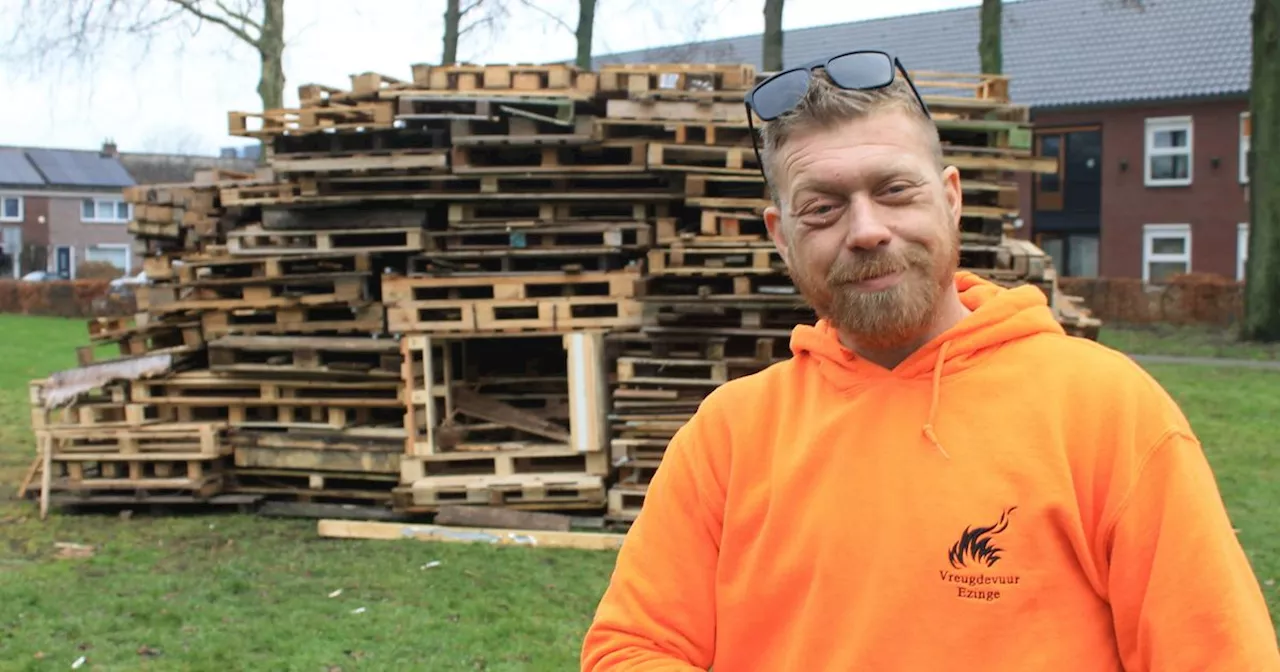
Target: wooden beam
502	517
350	529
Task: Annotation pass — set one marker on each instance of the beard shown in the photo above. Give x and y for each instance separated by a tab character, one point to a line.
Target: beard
888	318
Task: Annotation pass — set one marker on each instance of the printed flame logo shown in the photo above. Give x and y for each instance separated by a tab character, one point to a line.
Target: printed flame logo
976	543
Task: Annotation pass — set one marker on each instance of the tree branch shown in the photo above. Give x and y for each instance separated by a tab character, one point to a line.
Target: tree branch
242	17
555	19
190	6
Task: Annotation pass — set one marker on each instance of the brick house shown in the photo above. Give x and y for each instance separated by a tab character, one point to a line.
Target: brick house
1144	104
62	207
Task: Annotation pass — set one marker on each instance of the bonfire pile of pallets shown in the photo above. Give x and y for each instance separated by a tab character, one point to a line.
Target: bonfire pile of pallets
499	284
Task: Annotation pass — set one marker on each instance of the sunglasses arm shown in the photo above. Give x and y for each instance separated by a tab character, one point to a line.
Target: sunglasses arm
751	130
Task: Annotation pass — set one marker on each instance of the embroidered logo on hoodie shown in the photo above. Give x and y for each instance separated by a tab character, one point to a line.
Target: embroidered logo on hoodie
979	547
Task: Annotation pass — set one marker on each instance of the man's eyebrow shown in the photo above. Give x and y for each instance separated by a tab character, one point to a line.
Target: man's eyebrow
823	184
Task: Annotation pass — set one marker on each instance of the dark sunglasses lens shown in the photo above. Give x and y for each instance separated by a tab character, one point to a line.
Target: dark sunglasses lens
780	94
861	71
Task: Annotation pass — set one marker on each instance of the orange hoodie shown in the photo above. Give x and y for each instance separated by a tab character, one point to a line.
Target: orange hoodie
1008	498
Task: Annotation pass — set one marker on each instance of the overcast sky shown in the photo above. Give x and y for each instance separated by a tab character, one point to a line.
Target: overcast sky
171	101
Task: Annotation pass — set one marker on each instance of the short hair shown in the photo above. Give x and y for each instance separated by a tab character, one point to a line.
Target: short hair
826	105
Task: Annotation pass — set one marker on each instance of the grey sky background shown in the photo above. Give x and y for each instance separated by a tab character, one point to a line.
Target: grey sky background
175	98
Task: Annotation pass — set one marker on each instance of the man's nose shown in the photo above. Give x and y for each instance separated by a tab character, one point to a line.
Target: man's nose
865	226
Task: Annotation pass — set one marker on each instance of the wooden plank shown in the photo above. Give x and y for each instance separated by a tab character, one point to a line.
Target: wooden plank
347	529
479	406
492	516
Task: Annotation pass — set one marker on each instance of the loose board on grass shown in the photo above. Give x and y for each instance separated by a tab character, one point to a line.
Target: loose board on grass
350	529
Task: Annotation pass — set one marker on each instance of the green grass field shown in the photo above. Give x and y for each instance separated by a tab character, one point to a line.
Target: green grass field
233	591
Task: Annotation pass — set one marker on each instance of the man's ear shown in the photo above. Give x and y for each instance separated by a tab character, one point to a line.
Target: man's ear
954	194
774	224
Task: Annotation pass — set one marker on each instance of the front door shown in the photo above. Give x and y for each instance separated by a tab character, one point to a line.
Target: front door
1068	204
10	251
62	262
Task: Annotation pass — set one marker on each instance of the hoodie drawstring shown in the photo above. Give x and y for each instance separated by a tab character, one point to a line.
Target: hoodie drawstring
933	403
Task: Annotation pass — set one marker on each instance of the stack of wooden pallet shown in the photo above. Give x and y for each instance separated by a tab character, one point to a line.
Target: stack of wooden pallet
500	284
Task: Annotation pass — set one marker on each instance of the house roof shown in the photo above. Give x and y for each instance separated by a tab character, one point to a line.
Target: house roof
16	170
41	168
1056	52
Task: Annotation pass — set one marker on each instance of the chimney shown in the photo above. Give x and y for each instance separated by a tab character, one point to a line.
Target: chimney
109	150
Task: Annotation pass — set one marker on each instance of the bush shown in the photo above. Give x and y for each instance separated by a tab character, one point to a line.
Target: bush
62	298
1185	299
97	270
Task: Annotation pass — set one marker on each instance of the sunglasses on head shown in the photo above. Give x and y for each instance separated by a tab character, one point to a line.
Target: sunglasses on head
863	69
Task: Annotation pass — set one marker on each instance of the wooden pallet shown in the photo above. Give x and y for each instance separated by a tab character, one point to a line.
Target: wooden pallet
498	211
734	349
702	312
527	237
258	293
199	388
159	441
256	241
703	159
545	393
208	272
523	131
548	490
96	416
505	78
674	111
713	228
419	161
312	356
615	156
288	121
734	285
343	451
312	486
637	78
677	132
369	318
503	463
666	371
624	503
678	259
547	303
200	477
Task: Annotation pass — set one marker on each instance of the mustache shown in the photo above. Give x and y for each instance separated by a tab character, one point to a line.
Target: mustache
867	265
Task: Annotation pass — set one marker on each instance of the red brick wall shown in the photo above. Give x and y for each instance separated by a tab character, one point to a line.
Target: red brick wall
1213	204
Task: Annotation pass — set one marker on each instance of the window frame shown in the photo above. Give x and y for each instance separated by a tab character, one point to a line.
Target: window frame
1246	141
115	208
22	207
1242	249
1152	231
1155	125
128	254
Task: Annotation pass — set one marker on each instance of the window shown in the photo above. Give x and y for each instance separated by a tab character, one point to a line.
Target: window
116	255
1168	152
1242	249
1049	185
10	208
1166	251
1246	135
108	210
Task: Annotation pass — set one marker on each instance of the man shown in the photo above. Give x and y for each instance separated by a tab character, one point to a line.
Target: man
939	478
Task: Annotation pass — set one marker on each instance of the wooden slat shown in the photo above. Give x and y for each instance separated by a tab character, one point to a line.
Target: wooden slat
349	529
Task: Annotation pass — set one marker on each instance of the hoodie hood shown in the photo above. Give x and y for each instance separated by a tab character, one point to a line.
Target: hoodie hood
999	315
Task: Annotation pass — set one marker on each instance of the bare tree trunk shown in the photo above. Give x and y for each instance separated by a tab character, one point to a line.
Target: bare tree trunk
586	21
452	19
1262	275
989	48
772	46
271	49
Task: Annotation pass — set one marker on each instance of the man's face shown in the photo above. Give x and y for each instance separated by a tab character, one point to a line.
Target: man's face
868	226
